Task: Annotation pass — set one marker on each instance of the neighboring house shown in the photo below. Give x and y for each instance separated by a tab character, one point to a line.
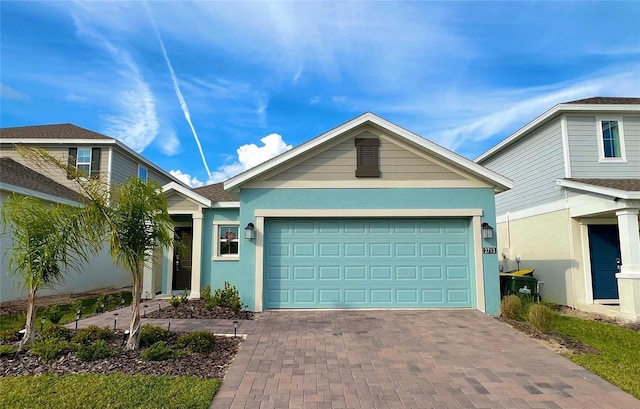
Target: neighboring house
366	215
572	214
95	154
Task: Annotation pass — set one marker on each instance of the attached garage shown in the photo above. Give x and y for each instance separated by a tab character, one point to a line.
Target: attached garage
369	263
367	215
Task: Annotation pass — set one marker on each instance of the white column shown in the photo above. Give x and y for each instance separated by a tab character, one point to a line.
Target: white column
629	240
196	256
629	275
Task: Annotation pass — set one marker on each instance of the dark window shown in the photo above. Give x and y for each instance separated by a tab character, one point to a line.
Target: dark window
83	162
368	158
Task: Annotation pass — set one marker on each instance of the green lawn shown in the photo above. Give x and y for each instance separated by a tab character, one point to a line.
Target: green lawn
106	391
619	358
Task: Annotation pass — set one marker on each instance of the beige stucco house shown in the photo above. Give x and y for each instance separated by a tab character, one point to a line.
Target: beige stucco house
572	214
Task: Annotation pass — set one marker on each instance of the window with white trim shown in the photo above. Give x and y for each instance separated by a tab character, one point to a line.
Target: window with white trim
611	139
143	173
227	241
85	160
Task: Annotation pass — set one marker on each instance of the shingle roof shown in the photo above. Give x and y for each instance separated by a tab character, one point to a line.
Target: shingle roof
606	100
58	131
627	185
16	174
215	193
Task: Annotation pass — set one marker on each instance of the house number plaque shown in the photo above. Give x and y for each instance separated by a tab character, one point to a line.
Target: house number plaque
489	250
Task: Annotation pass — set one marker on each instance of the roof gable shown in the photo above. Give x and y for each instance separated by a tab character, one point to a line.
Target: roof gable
369	121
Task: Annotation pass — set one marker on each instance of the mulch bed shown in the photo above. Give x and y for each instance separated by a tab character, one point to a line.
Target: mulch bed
195	309
204	365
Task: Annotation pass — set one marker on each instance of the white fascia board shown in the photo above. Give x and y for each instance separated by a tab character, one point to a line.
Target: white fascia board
34	193
225	205
559	108
502	183
607	191
186	192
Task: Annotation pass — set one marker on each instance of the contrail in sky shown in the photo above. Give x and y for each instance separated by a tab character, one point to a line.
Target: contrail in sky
176	87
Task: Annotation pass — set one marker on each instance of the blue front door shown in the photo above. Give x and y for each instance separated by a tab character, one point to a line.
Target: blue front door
604	249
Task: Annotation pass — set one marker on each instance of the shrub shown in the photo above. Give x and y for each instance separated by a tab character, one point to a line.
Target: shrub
86	336
7	350
50	348
102	303
228	297
205	293
175	301
150	334
95	351
160	351
541	317
184	297
511	307
9	336
197	341
53	313
56	332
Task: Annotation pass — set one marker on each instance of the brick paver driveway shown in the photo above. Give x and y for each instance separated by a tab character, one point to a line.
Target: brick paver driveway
404	359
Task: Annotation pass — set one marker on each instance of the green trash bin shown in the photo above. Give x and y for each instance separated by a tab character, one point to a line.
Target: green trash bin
521	285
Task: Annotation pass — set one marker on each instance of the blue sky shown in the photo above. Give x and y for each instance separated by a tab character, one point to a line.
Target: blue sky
254	78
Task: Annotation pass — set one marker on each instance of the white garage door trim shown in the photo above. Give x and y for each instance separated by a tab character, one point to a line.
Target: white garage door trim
475	214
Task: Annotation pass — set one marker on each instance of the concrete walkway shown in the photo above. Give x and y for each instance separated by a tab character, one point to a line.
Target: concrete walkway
404	359
120	319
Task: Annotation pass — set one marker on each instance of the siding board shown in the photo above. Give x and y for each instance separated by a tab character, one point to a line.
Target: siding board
339	163
584	149
534	163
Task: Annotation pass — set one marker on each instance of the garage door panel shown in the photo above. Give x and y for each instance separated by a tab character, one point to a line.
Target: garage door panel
368	264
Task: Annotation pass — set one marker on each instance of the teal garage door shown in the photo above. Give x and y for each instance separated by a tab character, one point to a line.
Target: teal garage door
368	263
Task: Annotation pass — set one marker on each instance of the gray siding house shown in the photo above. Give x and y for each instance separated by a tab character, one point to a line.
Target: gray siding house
97	155
572	214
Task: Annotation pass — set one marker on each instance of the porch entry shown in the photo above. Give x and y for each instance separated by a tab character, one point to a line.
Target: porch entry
182	259
604	253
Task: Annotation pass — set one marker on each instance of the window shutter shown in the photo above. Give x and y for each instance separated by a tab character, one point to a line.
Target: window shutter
95	162
71	162
368	165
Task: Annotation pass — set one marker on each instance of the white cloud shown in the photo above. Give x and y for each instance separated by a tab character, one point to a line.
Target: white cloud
136	122
314	100
506	110
76	98
10	93
251	155
169	143
186	178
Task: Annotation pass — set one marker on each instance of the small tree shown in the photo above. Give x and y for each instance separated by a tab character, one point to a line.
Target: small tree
48	242
140	222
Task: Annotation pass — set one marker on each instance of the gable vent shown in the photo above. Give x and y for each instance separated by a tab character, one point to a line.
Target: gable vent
368	164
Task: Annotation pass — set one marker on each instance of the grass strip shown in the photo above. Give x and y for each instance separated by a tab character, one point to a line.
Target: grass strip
619	358
106	391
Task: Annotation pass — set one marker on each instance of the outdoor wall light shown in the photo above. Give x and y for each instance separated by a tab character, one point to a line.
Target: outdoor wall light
487	231
41	323
250	232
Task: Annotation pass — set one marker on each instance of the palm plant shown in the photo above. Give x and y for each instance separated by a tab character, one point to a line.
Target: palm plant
48	242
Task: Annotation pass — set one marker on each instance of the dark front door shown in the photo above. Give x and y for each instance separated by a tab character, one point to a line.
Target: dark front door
604	249
182	259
